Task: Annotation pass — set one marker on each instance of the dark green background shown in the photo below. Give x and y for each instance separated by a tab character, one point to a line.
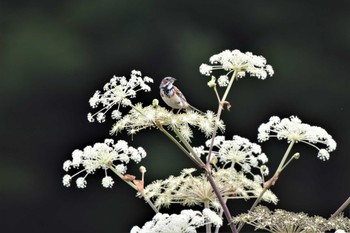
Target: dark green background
54	55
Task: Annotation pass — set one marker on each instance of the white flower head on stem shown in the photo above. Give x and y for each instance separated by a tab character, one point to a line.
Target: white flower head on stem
284	221
188	190
118	91
140	118
187	221
238	151
242	63
106	155
293	129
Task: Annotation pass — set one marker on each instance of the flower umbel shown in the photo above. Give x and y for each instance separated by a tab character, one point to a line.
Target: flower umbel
140	118
102	156
187	221
238	152
285	221
189	190
235	60
118	91
293	129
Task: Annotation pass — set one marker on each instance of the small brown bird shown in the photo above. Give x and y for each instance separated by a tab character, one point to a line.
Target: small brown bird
172	96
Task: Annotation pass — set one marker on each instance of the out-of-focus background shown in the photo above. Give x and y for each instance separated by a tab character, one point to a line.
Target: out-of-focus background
55	54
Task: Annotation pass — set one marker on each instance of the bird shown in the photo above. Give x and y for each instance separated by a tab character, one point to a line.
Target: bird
172	96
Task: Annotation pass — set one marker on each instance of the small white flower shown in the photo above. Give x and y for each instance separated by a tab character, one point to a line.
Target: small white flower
121	168
323	154
116	114
81	182
264	170
66	180
293	129
90	117
107	182
223	81
205	69
66	165
212	217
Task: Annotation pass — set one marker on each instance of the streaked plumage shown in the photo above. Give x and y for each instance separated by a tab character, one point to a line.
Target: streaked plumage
172	96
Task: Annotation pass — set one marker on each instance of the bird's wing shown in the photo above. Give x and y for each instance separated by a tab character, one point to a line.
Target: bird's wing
179	93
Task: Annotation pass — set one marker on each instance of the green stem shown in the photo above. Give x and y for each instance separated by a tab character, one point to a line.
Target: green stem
290	160
218	115
271	181
279	169
234	76
217	94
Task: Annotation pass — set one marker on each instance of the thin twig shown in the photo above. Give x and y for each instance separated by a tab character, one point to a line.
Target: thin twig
341	208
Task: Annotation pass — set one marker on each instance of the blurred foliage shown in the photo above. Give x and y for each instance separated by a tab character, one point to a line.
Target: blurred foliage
55	54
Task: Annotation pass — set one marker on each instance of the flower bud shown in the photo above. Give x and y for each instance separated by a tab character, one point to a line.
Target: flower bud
155	103
212	82
142	169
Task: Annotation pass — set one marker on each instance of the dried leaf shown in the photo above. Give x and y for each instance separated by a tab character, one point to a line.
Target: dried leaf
129	177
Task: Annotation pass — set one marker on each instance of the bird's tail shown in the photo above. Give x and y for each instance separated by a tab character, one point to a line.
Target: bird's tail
195	109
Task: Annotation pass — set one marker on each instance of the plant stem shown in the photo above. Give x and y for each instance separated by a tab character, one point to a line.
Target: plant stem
341	208
189	147
222	102
217	228
223	204
271	181
199	164
280	166
208	225
218	115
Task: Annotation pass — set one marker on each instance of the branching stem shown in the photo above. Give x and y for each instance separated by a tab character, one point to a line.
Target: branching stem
222	102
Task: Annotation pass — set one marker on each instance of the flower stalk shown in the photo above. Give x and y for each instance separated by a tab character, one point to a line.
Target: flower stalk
341	208
208	166
272	180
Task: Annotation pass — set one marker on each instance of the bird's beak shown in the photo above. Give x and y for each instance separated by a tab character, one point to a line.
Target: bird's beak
173	79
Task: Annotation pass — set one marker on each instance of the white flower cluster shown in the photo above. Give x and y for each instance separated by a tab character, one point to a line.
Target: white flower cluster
293	129
187	221
238	151
242	63
118	91
101	156
188	190
285	221
140	118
